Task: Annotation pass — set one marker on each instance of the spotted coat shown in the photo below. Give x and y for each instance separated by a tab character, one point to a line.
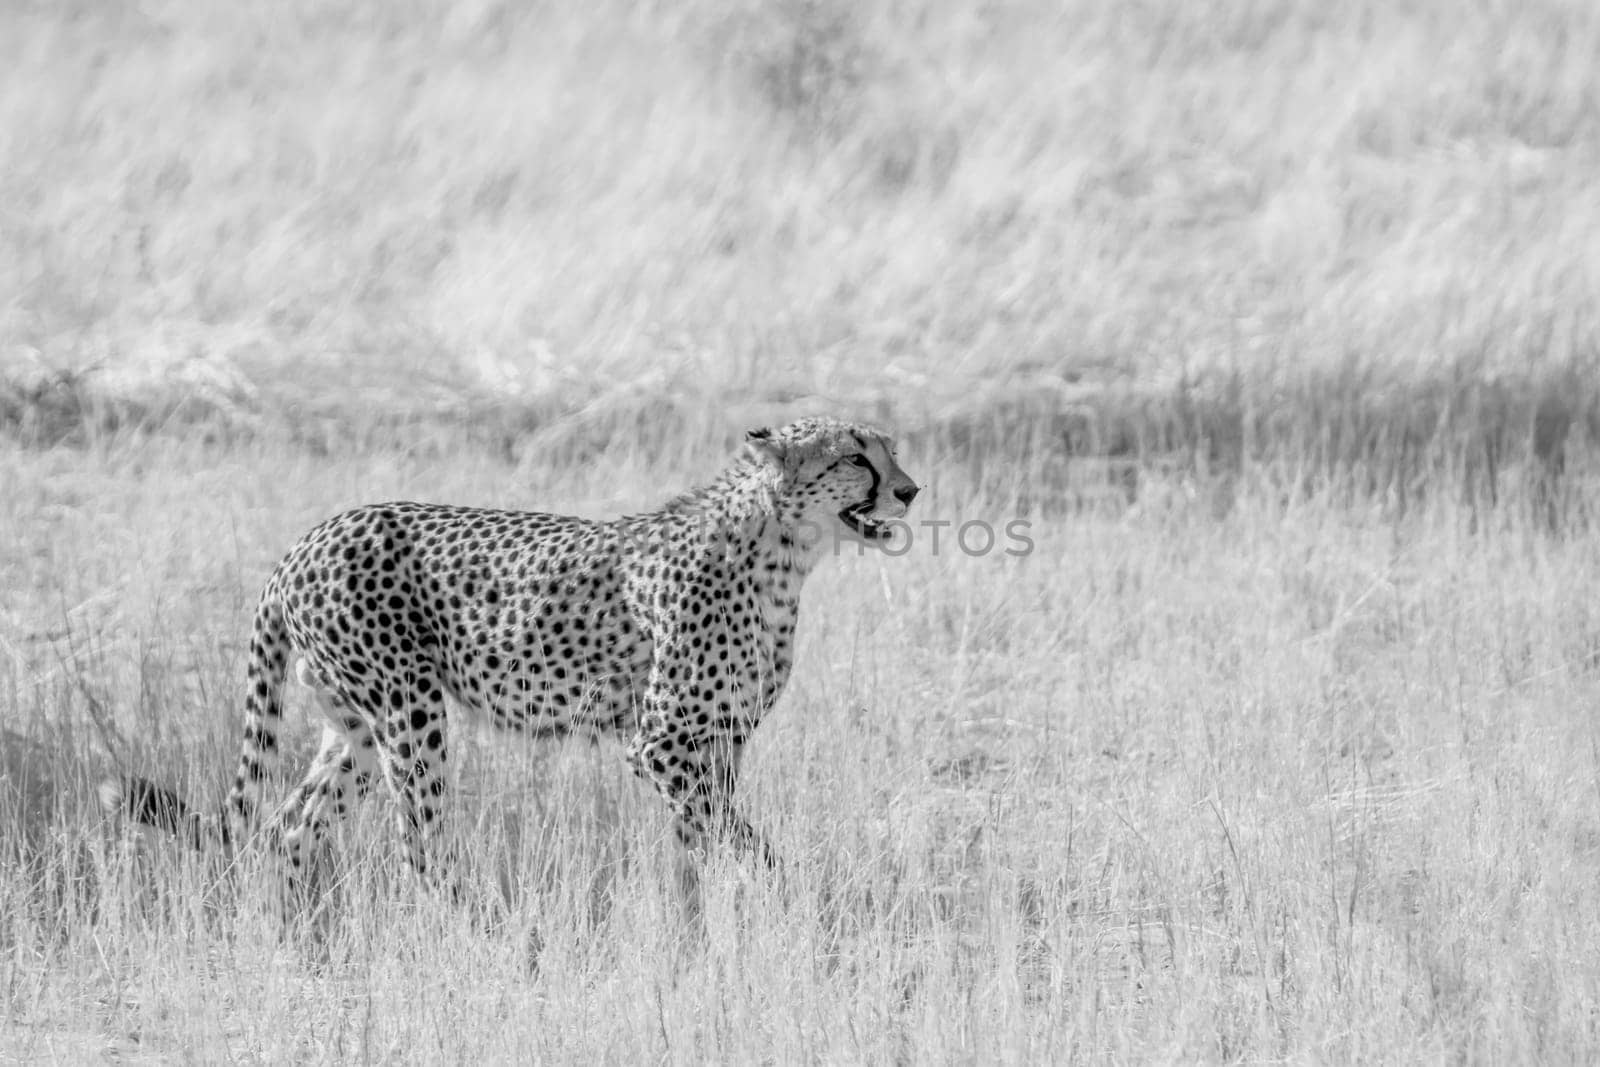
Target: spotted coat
673	631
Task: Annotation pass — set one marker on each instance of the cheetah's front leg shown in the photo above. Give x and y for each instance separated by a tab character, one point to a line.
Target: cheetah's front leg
696	776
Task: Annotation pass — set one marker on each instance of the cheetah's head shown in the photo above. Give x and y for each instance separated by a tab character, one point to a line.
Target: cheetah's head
830	471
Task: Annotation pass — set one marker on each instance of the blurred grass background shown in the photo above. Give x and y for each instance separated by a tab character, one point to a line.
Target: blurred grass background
1342	231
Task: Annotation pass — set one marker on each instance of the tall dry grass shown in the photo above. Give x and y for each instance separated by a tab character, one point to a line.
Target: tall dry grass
1296	779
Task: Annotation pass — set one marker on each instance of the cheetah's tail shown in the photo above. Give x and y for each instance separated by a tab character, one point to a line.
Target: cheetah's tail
154	805
263	714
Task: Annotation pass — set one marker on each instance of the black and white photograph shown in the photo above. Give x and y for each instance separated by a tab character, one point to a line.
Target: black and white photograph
901	532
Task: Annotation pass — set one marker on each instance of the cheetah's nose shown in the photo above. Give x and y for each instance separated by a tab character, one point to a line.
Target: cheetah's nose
906	494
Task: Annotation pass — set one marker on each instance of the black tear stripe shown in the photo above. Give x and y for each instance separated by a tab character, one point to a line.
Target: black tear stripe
854	515
877	479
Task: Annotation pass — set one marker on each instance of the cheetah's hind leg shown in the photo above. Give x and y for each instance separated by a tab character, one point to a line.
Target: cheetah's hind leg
340	775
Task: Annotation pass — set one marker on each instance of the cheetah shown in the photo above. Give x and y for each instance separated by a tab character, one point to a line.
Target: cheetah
672	631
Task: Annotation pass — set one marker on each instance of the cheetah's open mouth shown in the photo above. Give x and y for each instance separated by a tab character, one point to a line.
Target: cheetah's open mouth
855	518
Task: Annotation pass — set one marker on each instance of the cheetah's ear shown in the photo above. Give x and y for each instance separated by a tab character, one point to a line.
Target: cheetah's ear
761	444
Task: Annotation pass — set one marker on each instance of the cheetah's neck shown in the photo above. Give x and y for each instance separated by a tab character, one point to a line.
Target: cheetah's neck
742	509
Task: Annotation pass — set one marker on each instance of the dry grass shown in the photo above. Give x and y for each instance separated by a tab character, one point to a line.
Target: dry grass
1294	759
342	207
1295	781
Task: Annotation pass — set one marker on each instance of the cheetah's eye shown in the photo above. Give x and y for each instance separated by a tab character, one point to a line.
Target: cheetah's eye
858	460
